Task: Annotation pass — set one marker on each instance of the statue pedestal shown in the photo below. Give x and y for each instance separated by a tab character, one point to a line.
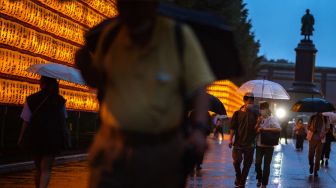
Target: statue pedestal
305	69
303	85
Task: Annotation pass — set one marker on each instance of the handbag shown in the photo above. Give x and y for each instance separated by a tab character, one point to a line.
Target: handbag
269	138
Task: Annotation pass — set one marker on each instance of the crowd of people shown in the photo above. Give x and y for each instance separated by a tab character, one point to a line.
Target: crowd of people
142	141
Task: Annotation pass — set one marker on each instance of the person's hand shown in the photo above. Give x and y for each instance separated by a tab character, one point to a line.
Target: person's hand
259	120
230	144
259	129
197	139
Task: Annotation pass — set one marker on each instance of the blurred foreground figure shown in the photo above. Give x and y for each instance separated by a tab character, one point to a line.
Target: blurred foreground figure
149	66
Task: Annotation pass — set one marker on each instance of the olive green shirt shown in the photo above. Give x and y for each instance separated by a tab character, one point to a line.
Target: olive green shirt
143	83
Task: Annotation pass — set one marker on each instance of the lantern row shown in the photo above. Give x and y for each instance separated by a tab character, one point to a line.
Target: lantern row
15	92
15	64
72	9
46	20
16	35
225	91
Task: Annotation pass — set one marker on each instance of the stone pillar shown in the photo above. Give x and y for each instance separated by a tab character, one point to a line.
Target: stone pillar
305	69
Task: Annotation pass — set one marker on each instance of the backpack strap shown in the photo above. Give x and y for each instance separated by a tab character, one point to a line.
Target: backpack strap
179	43
109	38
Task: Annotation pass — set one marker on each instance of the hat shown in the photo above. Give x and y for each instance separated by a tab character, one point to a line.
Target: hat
264	105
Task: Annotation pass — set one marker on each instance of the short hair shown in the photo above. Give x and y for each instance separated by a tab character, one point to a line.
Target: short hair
264	105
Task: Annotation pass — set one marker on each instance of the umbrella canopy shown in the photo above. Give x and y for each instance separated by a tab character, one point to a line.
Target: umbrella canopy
264	89
58	71
214	35
215	105
331	115
313	105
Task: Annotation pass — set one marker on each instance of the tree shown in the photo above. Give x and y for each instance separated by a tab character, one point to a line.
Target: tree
236	15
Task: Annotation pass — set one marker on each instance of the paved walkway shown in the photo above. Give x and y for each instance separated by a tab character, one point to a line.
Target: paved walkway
288	169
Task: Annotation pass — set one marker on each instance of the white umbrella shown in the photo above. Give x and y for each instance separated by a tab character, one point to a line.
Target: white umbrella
58	71
264	89
331	115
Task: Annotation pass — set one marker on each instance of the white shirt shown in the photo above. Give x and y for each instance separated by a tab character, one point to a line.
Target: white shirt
270	122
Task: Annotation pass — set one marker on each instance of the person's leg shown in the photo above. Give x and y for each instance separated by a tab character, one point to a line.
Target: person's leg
37	161
301	141
327	147
323	154
311	153
248	159
267	164
46	165
258	162
297	145
237	159
319	147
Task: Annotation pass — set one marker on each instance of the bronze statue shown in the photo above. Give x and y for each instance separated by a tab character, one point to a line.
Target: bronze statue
307	25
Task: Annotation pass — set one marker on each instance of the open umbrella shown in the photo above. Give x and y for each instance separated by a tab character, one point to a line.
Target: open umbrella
58	71
331	115
214	35
264	89
313	105
215	105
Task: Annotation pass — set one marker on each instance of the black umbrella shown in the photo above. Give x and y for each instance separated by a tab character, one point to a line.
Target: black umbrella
214	35
215	105
313	105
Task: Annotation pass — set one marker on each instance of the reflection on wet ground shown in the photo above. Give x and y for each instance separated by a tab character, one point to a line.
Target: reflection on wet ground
289	168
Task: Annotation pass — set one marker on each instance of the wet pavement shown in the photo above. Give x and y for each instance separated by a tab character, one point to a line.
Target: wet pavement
289	168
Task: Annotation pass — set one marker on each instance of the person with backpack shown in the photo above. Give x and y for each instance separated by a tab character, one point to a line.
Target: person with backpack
43	128
148	69
318	126
243	130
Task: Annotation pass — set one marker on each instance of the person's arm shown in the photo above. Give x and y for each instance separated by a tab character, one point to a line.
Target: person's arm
198	135
23	129
233	128
232	133
25	115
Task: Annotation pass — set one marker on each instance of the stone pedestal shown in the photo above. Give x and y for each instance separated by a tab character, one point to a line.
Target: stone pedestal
303	85
304	70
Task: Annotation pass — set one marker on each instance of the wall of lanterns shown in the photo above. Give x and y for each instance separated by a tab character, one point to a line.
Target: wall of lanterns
38	31
226	92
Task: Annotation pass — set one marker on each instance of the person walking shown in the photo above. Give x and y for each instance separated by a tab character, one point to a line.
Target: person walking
327	147
147	76
264	153
243	130
284	129
300	132
318	127
44	114
219	128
